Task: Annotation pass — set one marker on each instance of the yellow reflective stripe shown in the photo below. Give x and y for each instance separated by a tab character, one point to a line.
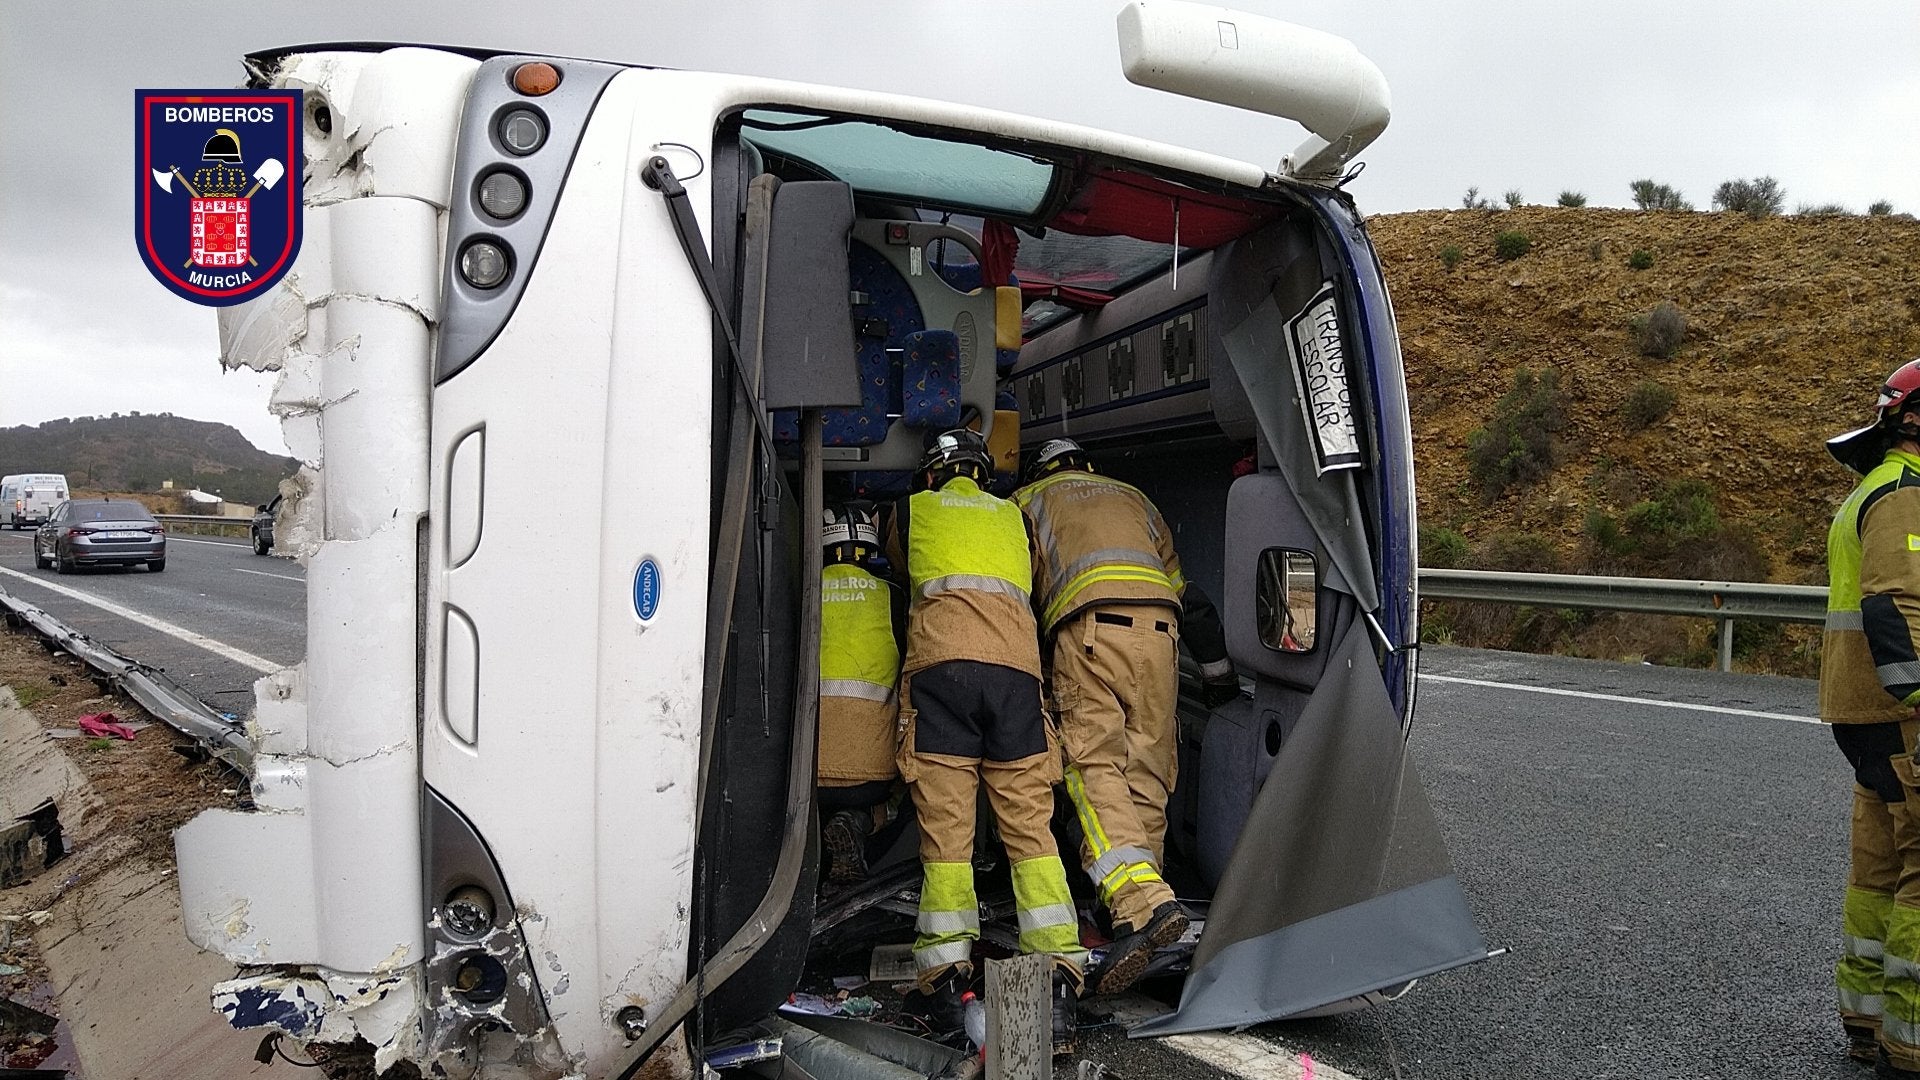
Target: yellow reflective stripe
1117	858
1093	560
1089	820
1105	573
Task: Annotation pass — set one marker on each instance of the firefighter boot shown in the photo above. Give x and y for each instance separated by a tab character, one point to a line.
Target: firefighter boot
941	1005
1883	1069
845	838
1066	1013
1863	1042
1132	949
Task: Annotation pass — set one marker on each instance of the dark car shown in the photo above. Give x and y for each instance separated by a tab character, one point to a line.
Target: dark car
262	527
94	532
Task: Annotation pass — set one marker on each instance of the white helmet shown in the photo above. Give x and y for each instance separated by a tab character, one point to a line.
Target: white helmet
1055	454
959	449
848	525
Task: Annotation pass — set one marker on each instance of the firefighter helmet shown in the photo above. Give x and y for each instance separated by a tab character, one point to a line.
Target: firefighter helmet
958	451
1863	448
1054	455
223	146
847	530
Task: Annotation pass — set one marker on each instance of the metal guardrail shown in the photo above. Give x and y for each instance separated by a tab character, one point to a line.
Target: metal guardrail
1723	601
167	700
204	519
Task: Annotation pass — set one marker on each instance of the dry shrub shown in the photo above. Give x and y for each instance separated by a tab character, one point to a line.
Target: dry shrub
1660	331
1646	403
1517	445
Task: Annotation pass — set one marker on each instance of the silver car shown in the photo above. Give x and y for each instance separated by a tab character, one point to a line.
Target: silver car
94	532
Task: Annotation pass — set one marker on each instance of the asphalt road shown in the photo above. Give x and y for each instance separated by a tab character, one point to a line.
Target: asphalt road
217	589
1668	879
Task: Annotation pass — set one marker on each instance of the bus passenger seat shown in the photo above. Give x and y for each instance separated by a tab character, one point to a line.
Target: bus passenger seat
930	380
886	312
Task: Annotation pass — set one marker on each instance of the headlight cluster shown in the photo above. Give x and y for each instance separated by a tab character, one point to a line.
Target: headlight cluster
502	191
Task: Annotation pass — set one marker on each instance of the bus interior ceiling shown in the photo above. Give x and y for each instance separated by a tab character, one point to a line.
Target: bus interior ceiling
955	236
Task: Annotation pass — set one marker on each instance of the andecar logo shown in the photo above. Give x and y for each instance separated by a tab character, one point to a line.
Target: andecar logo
217	201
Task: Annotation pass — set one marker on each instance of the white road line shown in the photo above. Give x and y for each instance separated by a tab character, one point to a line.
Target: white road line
1622	698
1245	1056
263	573
218	648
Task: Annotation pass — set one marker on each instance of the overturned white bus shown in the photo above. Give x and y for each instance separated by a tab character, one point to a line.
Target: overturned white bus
539	801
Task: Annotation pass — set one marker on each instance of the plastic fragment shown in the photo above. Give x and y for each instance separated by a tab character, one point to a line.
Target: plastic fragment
101	725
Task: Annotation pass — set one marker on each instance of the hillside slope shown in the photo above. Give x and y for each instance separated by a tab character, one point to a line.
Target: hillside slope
137	453
1791	325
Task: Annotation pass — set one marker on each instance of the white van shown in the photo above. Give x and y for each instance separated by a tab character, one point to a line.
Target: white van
29	498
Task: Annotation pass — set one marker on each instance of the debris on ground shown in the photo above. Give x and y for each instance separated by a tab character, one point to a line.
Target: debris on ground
100	814
101	725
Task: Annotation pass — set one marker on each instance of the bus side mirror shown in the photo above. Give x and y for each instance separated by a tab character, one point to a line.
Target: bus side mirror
796	325
1288	599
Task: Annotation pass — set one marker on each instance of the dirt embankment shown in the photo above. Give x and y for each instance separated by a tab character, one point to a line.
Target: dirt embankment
1791	323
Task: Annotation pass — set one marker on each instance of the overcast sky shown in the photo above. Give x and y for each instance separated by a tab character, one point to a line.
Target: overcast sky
1531	95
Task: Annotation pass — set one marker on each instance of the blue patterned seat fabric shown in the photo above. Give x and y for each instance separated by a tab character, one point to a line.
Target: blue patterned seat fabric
930	380
890	301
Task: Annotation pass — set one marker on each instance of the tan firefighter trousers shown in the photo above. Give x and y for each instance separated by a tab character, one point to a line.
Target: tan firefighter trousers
964	724
1116	678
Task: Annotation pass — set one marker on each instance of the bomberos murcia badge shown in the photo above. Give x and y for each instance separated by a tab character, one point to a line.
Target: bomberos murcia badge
217	175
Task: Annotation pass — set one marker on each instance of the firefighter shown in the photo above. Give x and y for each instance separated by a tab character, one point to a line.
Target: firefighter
859	671
1869	691
1109	594
971	710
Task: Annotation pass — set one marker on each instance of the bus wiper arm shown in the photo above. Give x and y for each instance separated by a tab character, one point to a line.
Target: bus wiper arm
658	175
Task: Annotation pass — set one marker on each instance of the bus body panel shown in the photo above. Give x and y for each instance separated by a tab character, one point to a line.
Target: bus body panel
567	576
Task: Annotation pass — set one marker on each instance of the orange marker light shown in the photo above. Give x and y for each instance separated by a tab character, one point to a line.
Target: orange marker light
536	78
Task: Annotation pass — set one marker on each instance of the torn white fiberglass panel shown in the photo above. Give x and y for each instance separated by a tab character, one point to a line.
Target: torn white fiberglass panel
318	876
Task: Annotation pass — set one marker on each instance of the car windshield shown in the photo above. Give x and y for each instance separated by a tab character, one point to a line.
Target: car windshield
108	511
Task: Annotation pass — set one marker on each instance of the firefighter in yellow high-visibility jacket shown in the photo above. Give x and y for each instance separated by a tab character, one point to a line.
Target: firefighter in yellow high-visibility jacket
859	700
1112	599
971	711
1870	693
